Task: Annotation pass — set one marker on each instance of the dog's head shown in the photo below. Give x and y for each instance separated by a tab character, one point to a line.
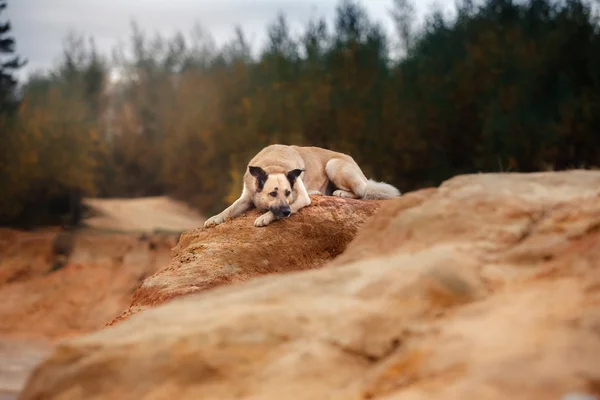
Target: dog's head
276	191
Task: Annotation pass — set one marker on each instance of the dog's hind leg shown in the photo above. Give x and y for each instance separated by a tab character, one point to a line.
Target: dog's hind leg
238	207
345	194
347	178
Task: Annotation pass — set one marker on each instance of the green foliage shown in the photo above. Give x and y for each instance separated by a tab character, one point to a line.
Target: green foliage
503	85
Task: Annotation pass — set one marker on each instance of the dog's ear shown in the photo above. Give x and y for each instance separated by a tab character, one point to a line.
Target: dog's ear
260	175
293	175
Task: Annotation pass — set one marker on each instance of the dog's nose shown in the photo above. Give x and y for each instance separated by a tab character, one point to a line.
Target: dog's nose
286	212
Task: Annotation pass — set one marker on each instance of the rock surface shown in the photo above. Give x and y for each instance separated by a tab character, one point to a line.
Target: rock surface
486	288
236	250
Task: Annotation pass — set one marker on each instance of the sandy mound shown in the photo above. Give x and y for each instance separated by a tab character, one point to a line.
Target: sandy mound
236	251
487	288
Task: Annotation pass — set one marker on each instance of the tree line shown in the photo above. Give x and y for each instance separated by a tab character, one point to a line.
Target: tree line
500	85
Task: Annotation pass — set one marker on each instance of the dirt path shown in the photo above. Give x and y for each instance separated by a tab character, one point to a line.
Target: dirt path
17	359
142	214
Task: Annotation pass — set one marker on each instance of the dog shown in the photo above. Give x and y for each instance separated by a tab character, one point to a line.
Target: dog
280	178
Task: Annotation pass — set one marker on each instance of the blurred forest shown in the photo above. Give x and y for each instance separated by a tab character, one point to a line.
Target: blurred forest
501	85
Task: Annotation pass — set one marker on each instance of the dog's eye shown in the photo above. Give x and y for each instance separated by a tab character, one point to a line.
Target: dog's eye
287	193
273	194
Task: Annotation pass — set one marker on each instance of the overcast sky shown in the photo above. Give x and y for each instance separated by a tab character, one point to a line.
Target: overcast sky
40	26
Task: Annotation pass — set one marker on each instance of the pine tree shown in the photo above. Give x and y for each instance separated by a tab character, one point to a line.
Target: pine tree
9	63
404	15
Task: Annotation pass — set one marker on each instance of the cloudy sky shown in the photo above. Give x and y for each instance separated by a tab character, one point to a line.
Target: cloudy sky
40	26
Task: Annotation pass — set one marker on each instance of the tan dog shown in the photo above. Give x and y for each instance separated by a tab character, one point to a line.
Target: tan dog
279	179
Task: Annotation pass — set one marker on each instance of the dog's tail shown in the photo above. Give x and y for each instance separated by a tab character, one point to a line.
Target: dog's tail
380	191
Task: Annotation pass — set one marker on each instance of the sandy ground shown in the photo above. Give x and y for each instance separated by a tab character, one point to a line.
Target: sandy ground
112	255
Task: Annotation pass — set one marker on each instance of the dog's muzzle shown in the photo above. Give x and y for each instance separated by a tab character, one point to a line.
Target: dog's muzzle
282	212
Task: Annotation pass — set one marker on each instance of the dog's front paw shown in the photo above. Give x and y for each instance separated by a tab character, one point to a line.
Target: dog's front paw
212	221
264	219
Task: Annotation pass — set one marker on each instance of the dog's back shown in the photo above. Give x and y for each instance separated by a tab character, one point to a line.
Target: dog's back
278	156
325	170
318	153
